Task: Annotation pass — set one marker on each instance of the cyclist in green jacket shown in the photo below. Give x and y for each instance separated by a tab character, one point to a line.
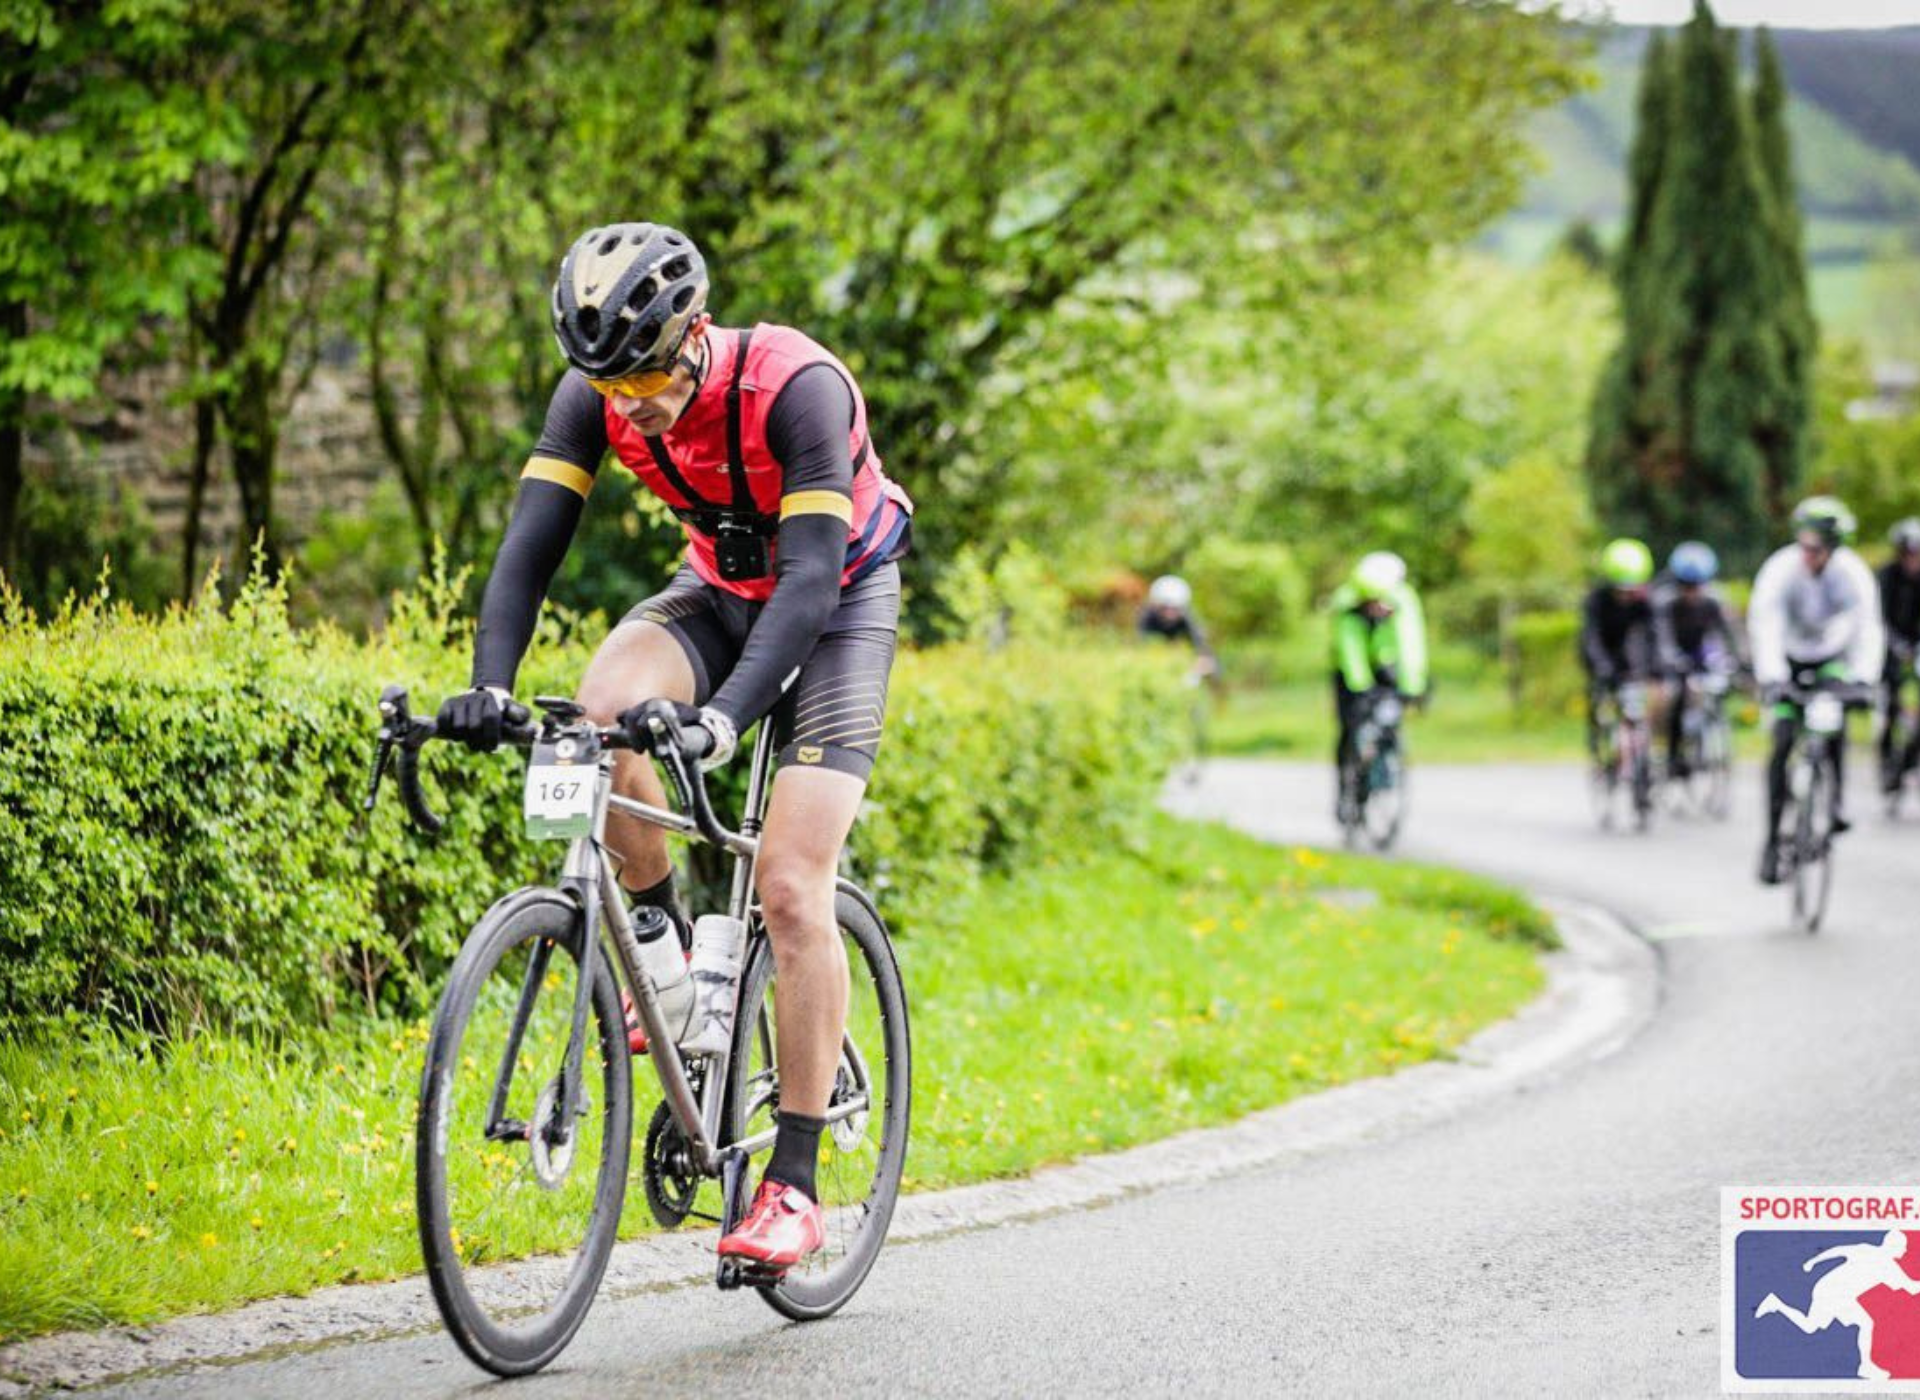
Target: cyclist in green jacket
1379	640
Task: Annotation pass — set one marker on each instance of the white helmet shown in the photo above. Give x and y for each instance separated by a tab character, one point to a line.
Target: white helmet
1170	591
1378	574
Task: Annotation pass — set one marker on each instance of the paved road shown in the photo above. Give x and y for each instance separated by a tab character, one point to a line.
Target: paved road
1561	1242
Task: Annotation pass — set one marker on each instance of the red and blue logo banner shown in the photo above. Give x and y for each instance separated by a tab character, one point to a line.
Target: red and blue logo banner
1820	1289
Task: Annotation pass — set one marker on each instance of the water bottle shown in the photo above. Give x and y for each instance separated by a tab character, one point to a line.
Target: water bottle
718	942
665	964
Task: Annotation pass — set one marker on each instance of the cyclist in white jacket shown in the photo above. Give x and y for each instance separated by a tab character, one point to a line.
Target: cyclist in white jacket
1814	617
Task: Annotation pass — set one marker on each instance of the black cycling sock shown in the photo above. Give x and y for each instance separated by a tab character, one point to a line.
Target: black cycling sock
662	895
796	1152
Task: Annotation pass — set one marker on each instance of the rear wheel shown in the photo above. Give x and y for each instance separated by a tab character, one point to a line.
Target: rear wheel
864	1149
519	1176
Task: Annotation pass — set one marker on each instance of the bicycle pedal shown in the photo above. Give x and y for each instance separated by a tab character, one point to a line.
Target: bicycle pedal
745	1273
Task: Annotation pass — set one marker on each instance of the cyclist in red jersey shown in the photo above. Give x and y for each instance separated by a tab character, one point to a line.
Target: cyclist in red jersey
787	605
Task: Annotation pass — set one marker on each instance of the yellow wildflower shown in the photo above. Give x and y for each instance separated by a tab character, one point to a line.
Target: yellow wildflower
209	1240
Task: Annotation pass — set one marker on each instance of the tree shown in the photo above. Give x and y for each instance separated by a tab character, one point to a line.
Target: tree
1693	428
1785	432
100	133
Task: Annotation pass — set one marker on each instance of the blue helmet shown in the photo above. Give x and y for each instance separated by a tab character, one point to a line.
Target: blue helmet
1694	562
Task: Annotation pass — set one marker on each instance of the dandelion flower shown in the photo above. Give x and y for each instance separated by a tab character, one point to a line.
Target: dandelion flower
153	1188
141	1232
209	1240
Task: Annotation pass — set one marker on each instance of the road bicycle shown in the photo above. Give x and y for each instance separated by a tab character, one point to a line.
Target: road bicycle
1706	745
1201	684
526	1118
1374	775
1620	781
1900	733
1817	709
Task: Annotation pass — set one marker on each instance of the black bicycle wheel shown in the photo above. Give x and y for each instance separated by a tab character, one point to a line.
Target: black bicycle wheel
1603	776
519	1198
1386	800
1813	841
863	1152
1716	765
1640	777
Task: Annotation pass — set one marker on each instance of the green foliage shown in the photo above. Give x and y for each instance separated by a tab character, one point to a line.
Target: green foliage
1185	976
1551	679
179	800
993	253
1699	425
73	528
1246	588
1529	532
1868	462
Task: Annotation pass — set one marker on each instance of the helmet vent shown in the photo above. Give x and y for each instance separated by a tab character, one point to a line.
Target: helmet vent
607	245
676	240
682	299
642	293
676	269
589	318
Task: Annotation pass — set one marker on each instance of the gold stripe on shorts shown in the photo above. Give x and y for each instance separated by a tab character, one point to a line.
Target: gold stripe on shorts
817	503
575	479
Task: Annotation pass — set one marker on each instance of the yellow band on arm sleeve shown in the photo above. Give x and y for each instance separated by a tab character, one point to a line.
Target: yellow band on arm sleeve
576	479
817	503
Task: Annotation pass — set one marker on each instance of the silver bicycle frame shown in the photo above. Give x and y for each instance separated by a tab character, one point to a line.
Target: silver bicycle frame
587	868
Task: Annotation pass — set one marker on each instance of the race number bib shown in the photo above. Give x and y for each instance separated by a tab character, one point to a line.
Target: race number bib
562	780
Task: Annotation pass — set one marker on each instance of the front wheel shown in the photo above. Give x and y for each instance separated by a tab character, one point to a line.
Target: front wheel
1386	799
1716	764
520	1158
1813	847
864	1149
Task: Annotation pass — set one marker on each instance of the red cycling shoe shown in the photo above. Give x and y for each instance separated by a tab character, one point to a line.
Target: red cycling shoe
781	1228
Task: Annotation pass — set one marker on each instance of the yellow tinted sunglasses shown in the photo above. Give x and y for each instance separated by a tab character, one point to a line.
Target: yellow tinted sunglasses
643	385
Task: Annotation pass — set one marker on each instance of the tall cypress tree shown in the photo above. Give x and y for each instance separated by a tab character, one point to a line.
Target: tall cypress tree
1616	440
1701	380
1785	437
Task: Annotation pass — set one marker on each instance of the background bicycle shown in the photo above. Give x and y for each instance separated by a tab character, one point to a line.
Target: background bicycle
1620	779
1375	774
1704	780
527	1106
1818	709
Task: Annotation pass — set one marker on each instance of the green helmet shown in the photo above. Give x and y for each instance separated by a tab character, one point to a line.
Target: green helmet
1827	517
1626	563
1378	575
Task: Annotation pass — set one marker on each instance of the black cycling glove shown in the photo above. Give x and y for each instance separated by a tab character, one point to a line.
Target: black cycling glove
473	717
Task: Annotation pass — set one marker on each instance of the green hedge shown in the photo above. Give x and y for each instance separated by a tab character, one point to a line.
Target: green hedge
1547	646
181	842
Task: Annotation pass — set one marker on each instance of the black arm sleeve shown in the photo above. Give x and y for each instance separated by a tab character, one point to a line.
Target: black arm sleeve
544	518
807	432
545	515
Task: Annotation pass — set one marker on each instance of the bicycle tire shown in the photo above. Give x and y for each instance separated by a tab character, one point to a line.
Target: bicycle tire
1390	799
1813	859
805	1296
1351	776
1640	780
530	1340
1716	746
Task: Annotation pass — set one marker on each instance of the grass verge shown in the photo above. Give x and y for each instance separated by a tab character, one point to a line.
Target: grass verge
1185	977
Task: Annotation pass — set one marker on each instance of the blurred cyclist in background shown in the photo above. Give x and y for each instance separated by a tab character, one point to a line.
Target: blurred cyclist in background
1900	610
1814	619
1694	634
1379	641
1169	615
1616	626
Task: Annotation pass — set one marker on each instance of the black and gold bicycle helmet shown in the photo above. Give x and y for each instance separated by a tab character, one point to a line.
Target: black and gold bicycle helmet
625	298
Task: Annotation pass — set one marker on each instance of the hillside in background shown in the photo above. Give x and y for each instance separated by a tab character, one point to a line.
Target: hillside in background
1856	134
